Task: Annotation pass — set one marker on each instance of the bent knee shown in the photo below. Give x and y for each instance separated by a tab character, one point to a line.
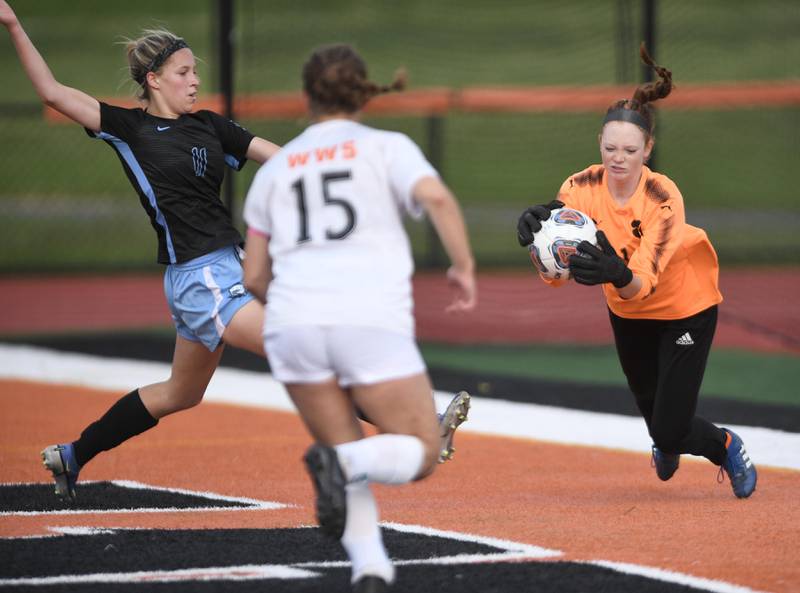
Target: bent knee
188	403
163	399
178	400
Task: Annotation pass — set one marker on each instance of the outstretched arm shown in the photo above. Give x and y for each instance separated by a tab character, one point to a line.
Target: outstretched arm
75	104
261	150
447	219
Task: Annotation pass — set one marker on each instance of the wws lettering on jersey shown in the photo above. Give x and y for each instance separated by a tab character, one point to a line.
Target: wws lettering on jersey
345	150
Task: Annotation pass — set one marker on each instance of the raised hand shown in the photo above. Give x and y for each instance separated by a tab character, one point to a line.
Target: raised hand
530	221
7	16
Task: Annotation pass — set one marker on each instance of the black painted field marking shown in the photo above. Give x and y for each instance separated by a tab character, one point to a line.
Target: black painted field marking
120	496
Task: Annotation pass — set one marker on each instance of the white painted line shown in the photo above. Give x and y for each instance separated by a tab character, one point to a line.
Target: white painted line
507	545
669	576
508	551
766	446
246	572
252	504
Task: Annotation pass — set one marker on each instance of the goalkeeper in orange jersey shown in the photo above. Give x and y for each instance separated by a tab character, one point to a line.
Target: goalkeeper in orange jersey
660	279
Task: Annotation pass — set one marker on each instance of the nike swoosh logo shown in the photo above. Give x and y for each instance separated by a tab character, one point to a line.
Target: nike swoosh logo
160	129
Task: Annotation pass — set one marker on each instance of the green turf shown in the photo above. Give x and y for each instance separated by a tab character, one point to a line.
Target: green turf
731	374
445	43
65	198
72	214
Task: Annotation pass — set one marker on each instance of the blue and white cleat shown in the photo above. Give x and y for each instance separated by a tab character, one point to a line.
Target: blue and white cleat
666	464
60	461
454	416
740	469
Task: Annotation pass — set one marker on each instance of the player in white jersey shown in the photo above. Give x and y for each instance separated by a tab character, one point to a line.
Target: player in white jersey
327	251
332	207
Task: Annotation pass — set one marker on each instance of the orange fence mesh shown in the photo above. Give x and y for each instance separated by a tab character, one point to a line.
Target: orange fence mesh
439	101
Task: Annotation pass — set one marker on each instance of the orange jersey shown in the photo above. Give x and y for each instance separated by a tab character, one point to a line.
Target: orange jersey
675	261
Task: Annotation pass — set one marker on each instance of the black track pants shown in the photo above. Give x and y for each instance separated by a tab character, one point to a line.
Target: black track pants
664	362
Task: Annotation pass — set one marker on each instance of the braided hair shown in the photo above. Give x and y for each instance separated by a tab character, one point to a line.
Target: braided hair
637	109
335	79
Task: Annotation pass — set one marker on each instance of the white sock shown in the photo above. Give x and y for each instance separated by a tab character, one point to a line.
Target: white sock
362	536
385	458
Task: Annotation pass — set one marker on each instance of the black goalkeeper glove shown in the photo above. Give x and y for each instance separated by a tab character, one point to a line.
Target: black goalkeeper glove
530	221
598	266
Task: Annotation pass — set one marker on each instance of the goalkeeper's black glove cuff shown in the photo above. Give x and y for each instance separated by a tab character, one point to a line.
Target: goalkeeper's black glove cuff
598	264
625	278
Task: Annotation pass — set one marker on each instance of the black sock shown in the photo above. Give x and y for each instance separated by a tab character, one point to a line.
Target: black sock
125	419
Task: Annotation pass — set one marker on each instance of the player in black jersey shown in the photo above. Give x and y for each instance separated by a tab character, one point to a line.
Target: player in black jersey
175	161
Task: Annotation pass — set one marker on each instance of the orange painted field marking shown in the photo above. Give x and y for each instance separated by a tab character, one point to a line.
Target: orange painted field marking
592	504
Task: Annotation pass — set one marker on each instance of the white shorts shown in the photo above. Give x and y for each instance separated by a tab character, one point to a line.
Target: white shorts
354	355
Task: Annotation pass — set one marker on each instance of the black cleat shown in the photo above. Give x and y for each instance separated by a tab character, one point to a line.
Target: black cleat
329	482
666	464
370	584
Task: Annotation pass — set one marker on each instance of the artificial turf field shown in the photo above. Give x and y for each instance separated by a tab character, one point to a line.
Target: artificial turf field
216	498
550	490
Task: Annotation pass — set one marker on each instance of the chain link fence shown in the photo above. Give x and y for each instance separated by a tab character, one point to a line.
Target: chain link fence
67	206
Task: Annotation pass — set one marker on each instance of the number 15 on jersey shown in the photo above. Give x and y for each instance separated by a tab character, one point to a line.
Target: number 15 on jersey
329	182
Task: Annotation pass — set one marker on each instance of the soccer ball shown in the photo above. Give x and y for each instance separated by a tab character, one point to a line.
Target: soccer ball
559	238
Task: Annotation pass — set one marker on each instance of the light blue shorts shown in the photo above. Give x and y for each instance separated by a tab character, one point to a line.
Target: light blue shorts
204	294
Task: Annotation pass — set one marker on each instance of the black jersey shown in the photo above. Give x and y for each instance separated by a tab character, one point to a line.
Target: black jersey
177	167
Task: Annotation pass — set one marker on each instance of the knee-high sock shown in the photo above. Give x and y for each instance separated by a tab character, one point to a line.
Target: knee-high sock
385	458
125	419
362	536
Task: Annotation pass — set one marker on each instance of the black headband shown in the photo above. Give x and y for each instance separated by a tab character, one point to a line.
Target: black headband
628	115
162	57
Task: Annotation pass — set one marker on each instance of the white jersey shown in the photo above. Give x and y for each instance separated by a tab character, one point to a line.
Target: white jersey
331	202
